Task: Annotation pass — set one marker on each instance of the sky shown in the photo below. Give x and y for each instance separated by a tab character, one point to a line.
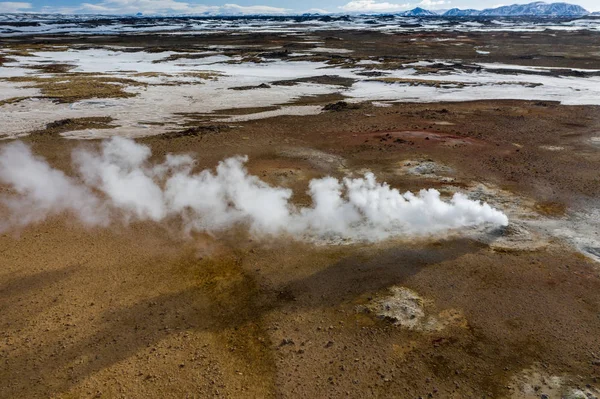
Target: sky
251	6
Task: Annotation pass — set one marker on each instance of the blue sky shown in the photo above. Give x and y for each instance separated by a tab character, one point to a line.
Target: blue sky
249	6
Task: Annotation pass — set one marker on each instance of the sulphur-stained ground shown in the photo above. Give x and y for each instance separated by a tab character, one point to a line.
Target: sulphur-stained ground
143	309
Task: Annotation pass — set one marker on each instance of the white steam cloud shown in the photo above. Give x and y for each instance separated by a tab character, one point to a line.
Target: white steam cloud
120	182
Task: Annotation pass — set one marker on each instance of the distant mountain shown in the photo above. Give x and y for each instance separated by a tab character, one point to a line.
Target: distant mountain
418	12
455	12
595	14
537	9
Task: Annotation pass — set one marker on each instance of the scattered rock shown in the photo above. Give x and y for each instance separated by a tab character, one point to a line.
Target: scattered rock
405	308
424	168
551	148
516	237
536	383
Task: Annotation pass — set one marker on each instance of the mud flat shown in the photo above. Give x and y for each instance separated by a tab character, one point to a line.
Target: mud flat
142	308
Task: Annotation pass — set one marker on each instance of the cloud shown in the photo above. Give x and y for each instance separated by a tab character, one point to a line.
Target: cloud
163	7
14	6
258	9
316	11
118	183
373	6
432	4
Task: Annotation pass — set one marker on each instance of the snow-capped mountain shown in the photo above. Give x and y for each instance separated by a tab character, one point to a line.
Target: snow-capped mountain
537	9
418	12
455	12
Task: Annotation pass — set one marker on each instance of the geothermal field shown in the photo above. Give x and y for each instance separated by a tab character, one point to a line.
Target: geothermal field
299	208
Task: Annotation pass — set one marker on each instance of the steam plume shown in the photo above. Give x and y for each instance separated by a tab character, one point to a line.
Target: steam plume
120	182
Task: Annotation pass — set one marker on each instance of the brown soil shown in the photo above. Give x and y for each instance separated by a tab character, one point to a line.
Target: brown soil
69	125
68	89
53	68
143	311
13	100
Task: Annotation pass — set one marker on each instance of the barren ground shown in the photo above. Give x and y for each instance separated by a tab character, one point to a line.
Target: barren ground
142	311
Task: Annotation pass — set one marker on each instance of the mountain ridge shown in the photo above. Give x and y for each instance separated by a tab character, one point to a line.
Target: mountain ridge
535	9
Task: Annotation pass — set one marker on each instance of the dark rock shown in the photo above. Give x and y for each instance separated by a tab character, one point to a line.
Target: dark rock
194	131
339	106
59	124
372	73
242	88
286	341
334	80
